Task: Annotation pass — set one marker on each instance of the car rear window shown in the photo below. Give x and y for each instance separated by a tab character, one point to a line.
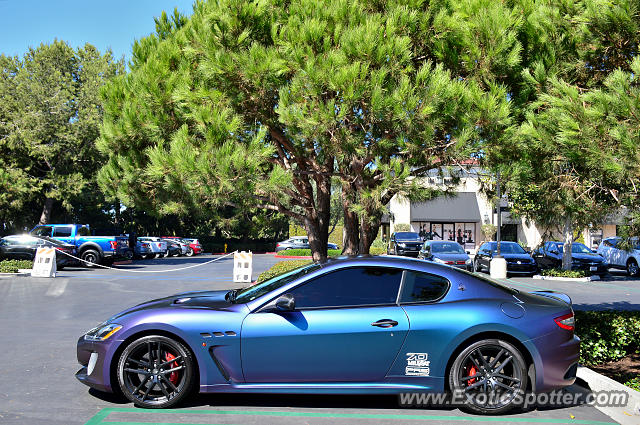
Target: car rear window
421	287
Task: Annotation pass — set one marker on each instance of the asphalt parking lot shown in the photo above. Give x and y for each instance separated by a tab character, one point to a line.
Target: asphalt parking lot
42	319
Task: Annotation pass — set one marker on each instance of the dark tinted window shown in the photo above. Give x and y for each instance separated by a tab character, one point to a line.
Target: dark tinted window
62	232
423	287
83	231
350	287
43	231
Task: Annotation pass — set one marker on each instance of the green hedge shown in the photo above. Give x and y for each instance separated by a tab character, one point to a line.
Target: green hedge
307	252
12	266
607	335
281	268
565	273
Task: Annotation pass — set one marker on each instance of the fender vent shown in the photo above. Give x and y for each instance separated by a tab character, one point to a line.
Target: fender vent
221	368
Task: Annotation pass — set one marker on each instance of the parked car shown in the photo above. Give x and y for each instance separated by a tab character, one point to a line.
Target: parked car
518	260
157	245
365	325
549	256
446	252
143	249
299	242
92	249
404	243
618	258
174	249
195	245
24	247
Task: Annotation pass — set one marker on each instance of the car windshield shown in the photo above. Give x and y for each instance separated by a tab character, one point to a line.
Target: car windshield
576	248
408	236
258	290
507	248
446	248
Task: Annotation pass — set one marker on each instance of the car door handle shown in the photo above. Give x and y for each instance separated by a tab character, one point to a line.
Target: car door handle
385	323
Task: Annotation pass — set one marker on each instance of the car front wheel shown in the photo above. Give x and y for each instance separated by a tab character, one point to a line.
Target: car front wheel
155	372
190	252
490	376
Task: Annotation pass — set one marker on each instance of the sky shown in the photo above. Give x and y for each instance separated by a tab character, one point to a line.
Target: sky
106	24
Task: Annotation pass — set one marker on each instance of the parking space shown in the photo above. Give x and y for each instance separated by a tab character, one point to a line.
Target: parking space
42	319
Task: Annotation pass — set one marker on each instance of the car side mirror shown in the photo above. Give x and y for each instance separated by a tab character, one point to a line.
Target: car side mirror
286	302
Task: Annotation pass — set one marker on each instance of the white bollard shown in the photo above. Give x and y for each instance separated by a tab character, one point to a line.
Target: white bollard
242	266
498	268
44	264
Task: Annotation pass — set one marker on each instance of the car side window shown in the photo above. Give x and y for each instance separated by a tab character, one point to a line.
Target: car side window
83	231
43	231
62	232
354	286
421	287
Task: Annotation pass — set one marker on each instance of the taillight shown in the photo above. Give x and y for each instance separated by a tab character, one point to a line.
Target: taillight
114	244
566	321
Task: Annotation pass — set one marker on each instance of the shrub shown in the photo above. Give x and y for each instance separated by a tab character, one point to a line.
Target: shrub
307	252
488	230
375	250
281	268
634	383
12	266
607	335
565	273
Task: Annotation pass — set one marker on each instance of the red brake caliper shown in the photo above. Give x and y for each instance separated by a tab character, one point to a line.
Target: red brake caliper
173	377
472	371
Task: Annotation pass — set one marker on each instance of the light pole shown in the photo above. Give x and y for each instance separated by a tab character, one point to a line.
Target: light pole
498	265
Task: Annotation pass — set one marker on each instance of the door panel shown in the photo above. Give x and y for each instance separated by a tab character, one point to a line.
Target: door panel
324	345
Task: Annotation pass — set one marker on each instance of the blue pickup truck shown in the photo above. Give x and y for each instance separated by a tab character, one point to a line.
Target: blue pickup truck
92	249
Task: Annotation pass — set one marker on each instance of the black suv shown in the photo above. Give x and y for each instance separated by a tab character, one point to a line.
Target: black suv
404	243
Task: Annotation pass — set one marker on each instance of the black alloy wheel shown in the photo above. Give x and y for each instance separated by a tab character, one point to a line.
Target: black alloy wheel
490	376
155	372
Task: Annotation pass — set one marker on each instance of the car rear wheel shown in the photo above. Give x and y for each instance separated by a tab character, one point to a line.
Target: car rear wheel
632	267
190	252
490	376
155	372
90	257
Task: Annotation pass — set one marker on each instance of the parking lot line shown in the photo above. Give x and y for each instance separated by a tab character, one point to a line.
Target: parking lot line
98	419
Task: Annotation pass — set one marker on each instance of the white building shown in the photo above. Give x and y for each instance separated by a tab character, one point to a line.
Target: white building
461	216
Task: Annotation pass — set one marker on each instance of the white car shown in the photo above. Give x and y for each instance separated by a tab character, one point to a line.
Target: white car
157	245
619	258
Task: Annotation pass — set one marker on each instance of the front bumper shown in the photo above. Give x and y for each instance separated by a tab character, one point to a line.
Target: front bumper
523	268
99	377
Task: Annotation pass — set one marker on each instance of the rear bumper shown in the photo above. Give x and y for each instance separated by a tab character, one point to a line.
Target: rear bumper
557	363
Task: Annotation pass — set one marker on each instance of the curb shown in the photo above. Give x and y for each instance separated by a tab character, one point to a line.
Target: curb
568	279
628	415
20	273
300	257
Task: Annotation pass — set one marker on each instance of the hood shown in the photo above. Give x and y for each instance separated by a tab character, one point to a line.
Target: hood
524	256
213	300
588	257
450	257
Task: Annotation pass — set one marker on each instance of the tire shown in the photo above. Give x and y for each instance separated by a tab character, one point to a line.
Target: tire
632	268
189	252
161	389
483	371
476	266
90	256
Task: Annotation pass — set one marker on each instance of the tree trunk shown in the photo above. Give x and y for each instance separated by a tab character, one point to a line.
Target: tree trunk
45	217
351	224
368	231
568	240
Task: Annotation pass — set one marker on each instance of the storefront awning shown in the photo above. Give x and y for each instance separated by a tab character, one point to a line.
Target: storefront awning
461	208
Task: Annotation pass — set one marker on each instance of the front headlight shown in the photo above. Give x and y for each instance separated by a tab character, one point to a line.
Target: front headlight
468	261
102	332
402	245
439	260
